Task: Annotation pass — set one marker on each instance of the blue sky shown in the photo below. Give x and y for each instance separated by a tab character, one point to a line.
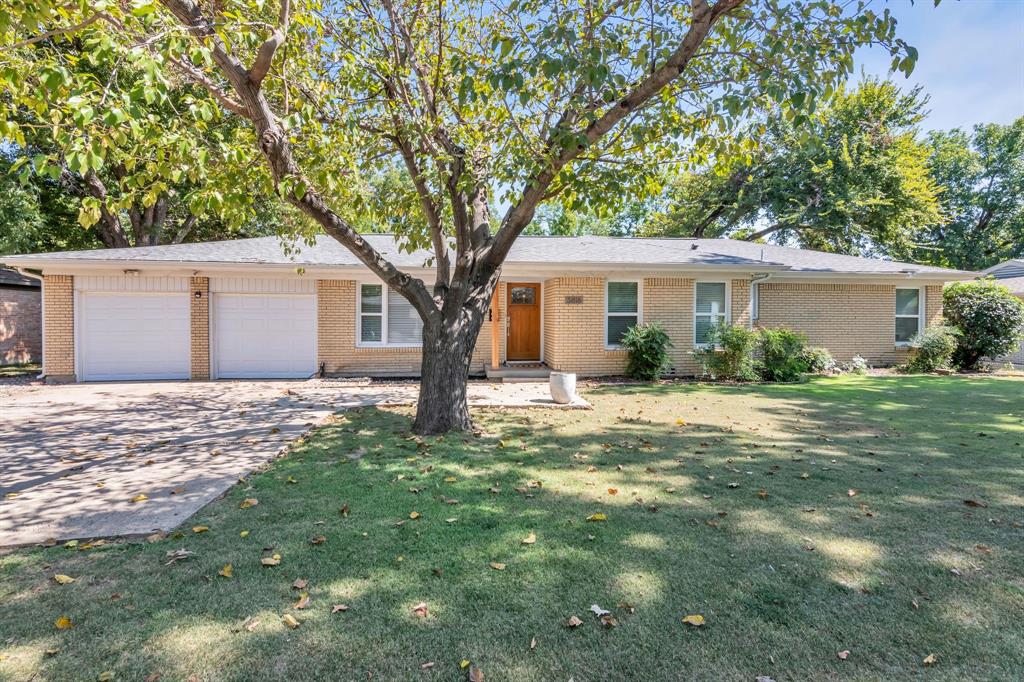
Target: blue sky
971	58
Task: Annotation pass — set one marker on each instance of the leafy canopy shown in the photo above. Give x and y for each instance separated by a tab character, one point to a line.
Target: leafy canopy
851	178
516	91
981	174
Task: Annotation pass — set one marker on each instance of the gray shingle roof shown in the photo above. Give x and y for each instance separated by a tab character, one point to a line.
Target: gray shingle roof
13	278
611	251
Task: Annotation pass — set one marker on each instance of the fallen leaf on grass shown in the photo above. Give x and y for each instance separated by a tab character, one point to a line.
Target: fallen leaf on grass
464	663
63	623
930	660
613	491
533	643
421	609
303	601
529	539
450	479
291	479
598	611
200	529
597	517
344	510
427	666
248	502
227	571
271	560
609	621
573	622
251	623
414	515
290	620
476	674
844	654
318	540
300	584
497	566
695	620
976	503
852	492
243	534
62	579
339	607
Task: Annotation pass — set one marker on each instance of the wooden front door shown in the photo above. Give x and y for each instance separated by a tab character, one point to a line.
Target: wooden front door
523	307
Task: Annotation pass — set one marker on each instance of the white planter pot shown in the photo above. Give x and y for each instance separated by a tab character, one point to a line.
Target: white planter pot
563	387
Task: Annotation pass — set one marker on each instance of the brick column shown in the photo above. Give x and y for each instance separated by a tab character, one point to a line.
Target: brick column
200	327
332	313
59	327
933	305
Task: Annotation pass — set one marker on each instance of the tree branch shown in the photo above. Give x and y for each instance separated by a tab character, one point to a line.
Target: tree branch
265	55
519	215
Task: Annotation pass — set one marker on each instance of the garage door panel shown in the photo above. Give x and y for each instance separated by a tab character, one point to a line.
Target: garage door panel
133	336
265	336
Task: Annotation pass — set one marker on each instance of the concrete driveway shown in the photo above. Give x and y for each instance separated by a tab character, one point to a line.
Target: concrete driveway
73	457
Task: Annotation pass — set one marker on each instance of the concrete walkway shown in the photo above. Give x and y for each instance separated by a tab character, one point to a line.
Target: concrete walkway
73	457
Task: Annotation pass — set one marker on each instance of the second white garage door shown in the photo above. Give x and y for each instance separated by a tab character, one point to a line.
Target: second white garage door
264	336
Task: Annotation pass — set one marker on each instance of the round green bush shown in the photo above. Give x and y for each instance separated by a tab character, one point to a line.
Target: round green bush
990	319
647	346
932	349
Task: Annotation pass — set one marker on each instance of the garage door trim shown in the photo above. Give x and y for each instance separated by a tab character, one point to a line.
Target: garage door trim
215	297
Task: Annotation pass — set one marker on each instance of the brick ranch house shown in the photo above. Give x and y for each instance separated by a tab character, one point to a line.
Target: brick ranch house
21	336
246	309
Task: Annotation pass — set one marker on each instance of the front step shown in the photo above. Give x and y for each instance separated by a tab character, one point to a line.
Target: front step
521	373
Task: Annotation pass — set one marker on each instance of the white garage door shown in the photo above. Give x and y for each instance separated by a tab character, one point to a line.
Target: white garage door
261	336
133	336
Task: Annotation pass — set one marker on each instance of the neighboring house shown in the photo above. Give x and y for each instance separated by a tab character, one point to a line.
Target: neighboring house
21	336
243	308
1011	275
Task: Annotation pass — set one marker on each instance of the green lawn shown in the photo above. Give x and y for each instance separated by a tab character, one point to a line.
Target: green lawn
799	520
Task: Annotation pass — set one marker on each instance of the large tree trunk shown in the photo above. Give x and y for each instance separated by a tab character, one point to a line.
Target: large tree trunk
444	370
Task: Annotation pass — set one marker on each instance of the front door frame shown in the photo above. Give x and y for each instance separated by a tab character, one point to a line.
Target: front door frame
505	317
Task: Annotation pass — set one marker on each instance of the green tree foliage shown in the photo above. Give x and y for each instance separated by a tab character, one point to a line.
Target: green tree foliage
514	103
850	177
990	320
981	174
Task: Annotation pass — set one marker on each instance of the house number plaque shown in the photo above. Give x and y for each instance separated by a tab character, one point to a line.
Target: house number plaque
574	300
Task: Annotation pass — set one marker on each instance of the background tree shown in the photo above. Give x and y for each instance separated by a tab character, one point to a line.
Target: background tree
851	177
981	174
522	101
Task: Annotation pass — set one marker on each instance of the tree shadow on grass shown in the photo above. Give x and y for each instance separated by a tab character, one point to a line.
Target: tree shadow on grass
785	579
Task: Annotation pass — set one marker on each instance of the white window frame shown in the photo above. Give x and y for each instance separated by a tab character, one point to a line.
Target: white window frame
726	315
919	316
383	320
639	314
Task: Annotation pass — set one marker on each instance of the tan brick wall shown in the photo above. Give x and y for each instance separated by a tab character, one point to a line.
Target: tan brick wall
932	305
574	334
59	323
199	314
848	319
669	300
21	319
336	338
740	291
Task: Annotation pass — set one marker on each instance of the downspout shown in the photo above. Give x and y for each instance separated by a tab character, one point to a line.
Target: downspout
42	314
755	296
